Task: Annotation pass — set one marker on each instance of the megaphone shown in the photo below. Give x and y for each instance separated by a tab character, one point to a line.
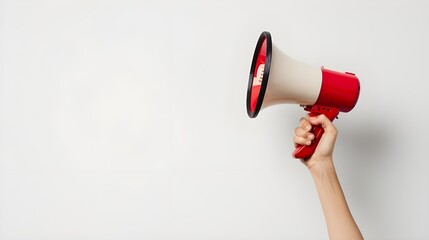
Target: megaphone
276	78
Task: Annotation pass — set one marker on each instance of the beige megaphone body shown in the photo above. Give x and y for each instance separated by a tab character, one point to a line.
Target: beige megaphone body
276	78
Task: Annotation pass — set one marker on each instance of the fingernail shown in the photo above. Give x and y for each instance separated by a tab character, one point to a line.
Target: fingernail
308	127
308	143
310	137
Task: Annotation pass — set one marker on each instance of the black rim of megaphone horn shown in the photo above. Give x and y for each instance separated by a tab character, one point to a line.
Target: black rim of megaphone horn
262	37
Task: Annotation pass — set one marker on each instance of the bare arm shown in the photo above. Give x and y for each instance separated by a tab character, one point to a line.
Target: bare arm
338	217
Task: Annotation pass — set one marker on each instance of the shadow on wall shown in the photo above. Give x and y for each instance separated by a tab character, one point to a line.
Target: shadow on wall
366	143
365	147
361	160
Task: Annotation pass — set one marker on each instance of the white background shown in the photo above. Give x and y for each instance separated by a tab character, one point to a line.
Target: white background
127	120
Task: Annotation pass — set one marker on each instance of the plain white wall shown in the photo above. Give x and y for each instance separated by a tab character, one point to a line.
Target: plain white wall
127	120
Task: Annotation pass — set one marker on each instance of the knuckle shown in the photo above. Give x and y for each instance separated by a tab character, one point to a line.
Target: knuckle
303	121
300	140
297	131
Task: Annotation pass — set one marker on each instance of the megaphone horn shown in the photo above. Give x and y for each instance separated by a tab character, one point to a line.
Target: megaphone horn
276	78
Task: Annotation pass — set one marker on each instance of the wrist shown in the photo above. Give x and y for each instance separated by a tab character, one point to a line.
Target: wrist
322	165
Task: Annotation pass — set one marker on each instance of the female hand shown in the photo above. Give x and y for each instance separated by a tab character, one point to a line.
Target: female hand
325	148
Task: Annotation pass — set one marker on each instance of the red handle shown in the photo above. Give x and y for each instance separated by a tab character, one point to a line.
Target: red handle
304	151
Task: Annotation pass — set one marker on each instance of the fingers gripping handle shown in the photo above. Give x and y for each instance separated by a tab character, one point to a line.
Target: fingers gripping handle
303	151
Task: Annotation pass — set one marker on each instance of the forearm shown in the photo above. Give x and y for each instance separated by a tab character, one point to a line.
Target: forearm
339	220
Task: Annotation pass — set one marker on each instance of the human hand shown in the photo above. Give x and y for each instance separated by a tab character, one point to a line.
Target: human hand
325	148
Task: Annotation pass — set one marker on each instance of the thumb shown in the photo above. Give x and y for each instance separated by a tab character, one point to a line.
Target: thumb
324	122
